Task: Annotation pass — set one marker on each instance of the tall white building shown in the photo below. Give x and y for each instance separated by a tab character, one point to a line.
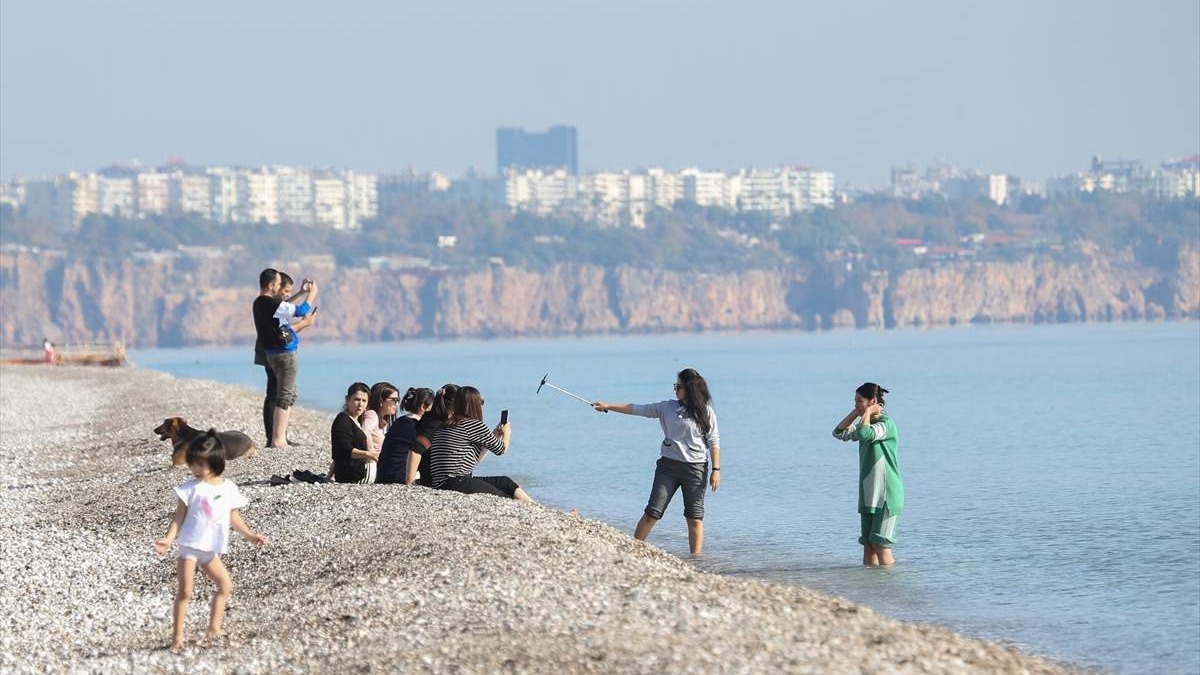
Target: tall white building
86	198
153	193
615	198
329	202
811	189
664	188
362	201
258	196
541	192
295	195
708	188
117	196
766	190
195	194
227	198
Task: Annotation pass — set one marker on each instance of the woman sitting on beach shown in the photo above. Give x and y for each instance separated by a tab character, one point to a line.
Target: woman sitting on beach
353	461
401	437
382	405
690	435
880	490
417	471
458	447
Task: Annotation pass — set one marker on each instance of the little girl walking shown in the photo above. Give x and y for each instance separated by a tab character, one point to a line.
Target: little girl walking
206	507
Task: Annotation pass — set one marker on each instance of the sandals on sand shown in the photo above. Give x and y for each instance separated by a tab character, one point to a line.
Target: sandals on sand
299	476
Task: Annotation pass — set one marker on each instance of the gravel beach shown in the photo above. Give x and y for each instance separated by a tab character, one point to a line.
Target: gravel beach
370	578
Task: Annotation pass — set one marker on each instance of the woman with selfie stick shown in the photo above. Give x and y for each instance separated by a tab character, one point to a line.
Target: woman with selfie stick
690	435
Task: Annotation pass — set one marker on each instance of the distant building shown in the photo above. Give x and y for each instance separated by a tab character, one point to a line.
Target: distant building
541	192
556	148
708	188
991	186
295	195
153	193
259	196
329	202
117	196
195	194
226	199
85	199
362	198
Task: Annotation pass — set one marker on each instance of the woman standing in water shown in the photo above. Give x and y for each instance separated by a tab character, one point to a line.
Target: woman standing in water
880	490
690	435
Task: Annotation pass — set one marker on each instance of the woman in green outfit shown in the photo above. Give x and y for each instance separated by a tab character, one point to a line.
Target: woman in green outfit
880	490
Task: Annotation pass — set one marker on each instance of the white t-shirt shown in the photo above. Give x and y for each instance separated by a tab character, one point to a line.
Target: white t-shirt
206	525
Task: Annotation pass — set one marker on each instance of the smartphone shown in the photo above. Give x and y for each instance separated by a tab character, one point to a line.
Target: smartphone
503	417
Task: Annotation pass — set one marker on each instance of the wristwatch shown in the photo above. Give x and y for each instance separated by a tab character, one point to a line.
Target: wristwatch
716	468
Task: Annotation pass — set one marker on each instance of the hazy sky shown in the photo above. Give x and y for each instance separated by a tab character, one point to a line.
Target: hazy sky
1032	88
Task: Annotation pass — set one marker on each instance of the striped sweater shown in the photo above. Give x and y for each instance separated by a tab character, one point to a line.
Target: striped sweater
458	448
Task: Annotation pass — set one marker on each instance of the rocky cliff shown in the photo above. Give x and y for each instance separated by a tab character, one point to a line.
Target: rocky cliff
170	300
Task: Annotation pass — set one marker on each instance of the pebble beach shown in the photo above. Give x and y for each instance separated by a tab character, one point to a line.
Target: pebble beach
370	578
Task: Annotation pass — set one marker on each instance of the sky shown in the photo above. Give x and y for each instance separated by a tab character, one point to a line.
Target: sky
1030	88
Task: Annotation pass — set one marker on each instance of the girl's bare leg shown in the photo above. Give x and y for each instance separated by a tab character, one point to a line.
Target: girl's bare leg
885	556
870	555
643	527
215	569
520	495
695	535
186	569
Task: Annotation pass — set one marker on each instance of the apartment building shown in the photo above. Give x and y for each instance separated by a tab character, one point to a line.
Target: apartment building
85	197
195	193
227	199
258	196
118	196
541	192
710	188
362	201
329	202
294	188
153	193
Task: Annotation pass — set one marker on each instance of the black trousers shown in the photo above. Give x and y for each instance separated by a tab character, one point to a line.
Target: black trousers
269	402
500	486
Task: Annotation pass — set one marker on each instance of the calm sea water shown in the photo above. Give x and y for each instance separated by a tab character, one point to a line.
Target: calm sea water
1052	473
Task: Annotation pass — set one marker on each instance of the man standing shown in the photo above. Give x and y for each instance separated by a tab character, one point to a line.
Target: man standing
264	310
280	343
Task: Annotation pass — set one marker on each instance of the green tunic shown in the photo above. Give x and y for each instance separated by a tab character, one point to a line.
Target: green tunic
879	465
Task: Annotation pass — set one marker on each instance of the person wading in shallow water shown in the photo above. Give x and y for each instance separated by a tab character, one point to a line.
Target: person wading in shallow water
880	490
690	435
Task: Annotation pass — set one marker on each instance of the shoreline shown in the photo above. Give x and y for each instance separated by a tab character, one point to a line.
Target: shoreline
390	577
317	340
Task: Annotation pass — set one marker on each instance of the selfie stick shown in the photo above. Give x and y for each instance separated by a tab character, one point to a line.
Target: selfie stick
546	383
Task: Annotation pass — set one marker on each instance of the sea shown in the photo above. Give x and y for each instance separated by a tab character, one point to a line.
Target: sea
1052	472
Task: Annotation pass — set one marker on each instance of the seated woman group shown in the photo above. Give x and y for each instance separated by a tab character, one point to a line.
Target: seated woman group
435	442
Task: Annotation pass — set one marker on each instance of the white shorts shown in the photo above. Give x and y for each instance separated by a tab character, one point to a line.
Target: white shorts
201	557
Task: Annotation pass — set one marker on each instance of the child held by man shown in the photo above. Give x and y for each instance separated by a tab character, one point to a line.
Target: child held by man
205	510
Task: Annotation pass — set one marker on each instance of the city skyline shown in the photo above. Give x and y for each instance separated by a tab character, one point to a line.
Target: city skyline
1023	88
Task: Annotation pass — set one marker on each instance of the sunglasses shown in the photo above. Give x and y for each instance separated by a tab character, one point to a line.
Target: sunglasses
677	386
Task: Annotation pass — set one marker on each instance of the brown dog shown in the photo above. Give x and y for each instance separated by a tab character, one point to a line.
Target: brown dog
176	430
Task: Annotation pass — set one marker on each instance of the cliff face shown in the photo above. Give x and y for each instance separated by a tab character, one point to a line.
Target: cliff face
171	301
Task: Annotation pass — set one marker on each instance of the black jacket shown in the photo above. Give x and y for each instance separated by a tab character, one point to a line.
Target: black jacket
345	436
